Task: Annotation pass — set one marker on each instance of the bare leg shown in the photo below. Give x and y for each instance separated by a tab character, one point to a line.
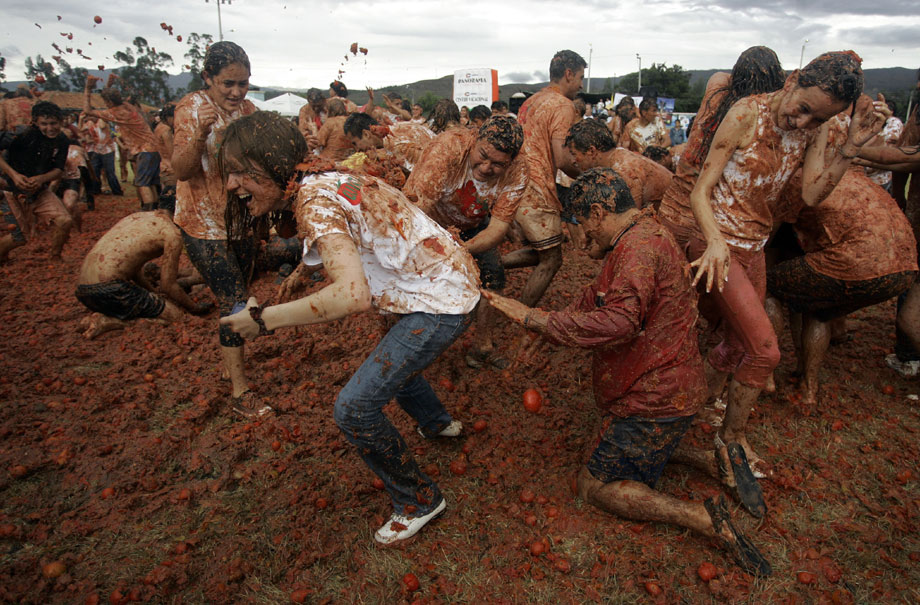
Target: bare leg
715	380
522	257
775	313
633	500
741	399
908	320
577	235
60	233
485	322
233	363
542	275
148	198
97	324
795	327
816	338
74	207
7	244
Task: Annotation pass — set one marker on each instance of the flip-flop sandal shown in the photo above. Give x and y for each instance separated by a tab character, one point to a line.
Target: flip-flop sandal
246	406
743	551
745	485
478	359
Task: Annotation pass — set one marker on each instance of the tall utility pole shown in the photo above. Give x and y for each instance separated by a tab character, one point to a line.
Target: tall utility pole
590	52
802	56
640	72
220	27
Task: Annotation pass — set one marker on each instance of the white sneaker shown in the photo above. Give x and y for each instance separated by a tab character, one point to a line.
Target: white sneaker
907	369
400	527
451	430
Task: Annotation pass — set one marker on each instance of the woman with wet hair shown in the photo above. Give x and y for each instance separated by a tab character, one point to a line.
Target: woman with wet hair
756	71
624	113
446	114
201	198
379	251
757	147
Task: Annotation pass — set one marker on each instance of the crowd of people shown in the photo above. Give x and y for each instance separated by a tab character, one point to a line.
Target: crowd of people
777	199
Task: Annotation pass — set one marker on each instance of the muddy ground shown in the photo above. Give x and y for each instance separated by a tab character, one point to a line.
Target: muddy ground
124	478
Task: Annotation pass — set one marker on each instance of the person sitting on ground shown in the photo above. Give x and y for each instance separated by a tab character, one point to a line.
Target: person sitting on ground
404	141
592	146
474	181
859	251
647	129
35	159
136	136
638	318
478	116
164	136
378	250
338	90
445	115
334	144
112	282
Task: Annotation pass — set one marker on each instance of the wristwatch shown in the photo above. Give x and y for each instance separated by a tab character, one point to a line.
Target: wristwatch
256	314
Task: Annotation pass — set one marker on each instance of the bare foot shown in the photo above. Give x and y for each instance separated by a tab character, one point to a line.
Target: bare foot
97	324
770	387
760	467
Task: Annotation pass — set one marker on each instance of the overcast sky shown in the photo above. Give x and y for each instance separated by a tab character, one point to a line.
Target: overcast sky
303	43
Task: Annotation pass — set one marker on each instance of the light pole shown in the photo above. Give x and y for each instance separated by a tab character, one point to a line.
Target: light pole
640	72
220	27
590	52
802	56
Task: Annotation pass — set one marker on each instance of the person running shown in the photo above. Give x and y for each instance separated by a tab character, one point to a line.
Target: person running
592	146
474	181
112	282
546	117
732	201
638	318
201	197
35	159
379	251
136	136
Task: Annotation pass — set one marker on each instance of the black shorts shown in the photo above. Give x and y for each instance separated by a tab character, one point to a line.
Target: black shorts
636	449
807	291
147	172
70	185
120	299
491	269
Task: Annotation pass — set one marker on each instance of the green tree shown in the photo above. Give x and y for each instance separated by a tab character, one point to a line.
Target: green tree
145	74
672	82
198	47
428	101
42	73
608	86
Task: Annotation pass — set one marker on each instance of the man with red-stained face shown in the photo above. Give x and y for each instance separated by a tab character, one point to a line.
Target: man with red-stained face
474	181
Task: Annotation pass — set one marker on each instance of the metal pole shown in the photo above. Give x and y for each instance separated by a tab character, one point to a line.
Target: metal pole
220	27
590	52
640	72
802	56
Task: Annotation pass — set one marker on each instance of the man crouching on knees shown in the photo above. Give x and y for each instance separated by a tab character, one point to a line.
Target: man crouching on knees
638	316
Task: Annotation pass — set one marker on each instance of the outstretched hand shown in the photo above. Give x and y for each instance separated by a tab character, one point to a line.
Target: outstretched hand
510	308
714	264
242	322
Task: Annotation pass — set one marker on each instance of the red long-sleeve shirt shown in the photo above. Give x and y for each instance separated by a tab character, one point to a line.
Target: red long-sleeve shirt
638	317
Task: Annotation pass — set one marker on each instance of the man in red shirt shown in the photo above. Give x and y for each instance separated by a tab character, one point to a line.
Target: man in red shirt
638	316
546	118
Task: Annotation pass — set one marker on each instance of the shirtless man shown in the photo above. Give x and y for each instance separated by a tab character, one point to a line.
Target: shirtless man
164	137
647	129
474	181
404	140
136	136
313	114
112	283
335	144
592	146
546	118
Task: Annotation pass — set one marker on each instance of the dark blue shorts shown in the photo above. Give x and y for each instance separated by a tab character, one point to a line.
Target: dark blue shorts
147	173
636	449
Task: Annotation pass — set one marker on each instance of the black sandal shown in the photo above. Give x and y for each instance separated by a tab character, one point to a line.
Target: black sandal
744	485
744	552
246	405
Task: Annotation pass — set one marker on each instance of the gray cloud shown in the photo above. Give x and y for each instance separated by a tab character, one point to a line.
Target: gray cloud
893	36
811	8
517	77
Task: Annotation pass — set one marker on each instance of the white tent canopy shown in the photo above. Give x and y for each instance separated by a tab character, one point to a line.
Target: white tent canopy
287	104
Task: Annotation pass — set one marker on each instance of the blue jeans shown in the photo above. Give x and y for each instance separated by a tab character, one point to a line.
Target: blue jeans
394	369
105	164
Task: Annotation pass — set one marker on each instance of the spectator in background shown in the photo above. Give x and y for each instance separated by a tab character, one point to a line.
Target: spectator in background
678	135
479	115
464	116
